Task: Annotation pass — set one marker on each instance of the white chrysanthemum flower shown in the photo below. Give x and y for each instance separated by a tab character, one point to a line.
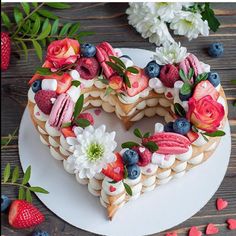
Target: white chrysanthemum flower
165	10
189	24
93	150
170	53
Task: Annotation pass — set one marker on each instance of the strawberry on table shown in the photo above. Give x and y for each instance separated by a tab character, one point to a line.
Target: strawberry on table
23	214
5	50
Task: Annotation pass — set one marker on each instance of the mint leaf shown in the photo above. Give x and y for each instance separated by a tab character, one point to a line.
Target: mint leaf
186	89
179	110
78	106
209	15
183	76
118	61
190	73
129	144
217	133
132	70
128	189
26	176
200	78
112	182
43	71
138	133
6	173
152	146
115	67
146	135
75	83
125	172
82	122
108	91
126	81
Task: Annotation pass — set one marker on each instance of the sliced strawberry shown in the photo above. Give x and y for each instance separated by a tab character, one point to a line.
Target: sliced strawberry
192	136
138	82
205	88
86	116
64	83
23	214
115	170
38	76
115	82
67	132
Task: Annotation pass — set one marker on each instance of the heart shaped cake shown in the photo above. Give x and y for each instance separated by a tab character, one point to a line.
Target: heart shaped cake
174	84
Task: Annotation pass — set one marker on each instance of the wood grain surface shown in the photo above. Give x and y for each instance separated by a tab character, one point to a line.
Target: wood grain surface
109	21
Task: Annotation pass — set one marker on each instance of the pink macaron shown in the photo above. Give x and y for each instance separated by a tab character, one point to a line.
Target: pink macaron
191	61
62	111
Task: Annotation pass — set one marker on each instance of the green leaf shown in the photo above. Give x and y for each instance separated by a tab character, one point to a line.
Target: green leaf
152	146
26	28
126	81
38	49
233	81
55	27
146	135
108	91
75	83
190	73
65	125
4	141
18	15
46	29
79	106
82	122
28	196
186	89
36	25
38	190
205	138
132	70
26	7
209	15
115	67
217	133
103	80
47	14
74	28
5	19
129	144
26	176
21	193
34	4
200	78
234	103
138	133
58	5
84	33
194	129
179	110
6	173
15	174
128	189
118	61
112	182
183	76
125	172
65	29
43	71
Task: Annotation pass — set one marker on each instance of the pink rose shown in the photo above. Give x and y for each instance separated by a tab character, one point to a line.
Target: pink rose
205	113
62	52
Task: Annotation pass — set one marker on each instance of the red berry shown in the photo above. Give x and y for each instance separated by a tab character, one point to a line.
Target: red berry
5	50
64	83
43	100
169	75
67	132
144	155
88	67
87	116
23	214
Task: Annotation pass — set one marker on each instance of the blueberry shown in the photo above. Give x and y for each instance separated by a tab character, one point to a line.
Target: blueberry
130	157
152	69
36	86
216	49
126	56
133	171
181	126
5	202
185	97
169	127
40	233
88	50
214	78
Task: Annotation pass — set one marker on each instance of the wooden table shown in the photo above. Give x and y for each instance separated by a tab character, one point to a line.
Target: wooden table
109	21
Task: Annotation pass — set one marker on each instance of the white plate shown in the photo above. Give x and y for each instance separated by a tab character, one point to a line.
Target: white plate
161	209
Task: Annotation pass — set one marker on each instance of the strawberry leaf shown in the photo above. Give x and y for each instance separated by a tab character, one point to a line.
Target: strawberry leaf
200	78
108	91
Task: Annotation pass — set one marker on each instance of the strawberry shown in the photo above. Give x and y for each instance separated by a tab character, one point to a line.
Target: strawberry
68	132
192	136
87	116
115	82
43	100
169	75
5	50
23	214
115	170
138	82
64	83
205	88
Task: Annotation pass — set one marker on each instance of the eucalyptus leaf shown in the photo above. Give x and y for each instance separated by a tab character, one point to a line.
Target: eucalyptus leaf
6	173
65	29
21	193
28	196
18	15
74	28
79	106
126	81
5	19
152	146
75	83
115	67
132	70
37	189
129	144
26	7
118	61
82	122
138	133
26	176
36	26
47	14
128	189
179	110
58	5
55	27
45	24
204	137
125	172
45	32
15	174
38	49
217	133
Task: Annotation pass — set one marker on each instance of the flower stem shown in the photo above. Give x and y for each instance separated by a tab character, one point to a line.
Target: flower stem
14	184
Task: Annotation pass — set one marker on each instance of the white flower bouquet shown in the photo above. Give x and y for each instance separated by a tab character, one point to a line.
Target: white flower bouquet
154	19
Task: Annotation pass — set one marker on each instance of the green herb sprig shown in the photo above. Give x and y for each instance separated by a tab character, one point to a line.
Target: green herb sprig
34	23
5	141
11	178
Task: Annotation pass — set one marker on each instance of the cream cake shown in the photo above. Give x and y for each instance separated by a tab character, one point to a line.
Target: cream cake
174	85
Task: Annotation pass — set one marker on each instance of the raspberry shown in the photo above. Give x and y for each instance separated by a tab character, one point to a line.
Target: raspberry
88	67
144	155
87	116
169	75
43	100
5	50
